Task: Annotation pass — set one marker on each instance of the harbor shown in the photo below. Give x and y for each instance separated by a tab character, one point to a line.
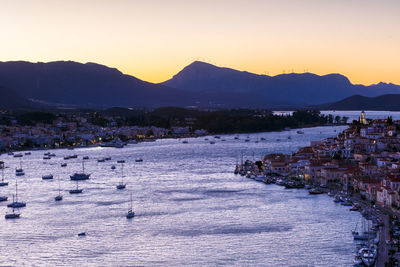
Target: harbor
358	168
187	203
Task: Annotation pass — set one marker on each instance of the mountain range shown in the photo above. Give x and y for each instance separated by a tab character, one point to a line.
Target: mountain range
198	84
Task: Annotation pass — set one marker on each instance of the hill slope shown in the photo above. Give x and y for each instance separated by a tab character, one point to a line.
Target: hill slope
89	84
10	99
358	102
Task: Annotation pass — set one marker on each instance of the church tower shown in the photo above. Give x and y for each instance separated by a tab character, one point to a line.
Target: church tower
363	120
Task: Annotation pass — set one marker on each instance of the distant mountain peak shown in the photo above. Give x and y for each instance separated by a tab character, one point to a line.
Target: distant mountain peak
294	88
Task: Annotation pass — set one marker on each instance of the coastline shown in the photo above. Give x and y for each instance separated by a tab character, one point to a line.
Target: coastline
155	138
342	175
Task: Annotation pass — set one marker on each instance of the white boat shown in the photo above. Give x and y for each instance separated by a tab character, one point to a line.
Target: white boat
71	157
138	159
117	143
368	256
130	214
80	176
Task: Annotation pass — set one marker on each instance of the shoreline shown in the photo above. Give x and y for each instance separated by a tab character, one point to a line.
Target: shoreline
153	139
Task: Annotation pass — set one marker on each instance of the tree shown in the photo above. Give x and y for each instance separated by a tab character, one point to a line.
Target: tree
389	120
337	119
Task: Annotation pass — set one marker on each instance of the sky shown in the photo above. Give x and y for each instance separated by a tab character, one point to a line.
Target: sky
154	39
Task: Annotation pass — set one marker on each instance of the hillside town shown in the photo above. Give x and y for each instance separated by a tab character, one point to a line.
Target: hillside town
364	158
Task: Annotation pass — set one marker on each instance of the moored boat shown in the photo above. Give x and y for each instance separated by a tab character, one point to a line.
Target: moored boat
121	185
2	183
315	191
16	204
80	176
47	177
130	214
59	197
76	190
12	215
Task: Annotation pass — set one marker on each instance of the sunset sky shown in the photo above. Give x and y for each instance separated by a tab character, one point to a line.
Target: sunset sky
153	40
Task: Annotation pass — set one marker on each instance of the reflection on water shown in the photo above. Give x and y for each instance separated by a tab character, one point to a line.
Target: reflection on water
190	209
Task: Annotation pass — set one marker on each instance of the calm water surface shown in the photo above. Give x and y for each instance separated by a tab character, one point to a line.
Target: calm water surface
190	209
353	114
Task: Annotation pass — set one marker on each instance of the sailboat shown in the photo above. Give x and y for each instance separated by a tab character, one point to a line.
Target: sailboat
80	176
121	185
130	213
59	197
368	254
19	171
16	204
12	215
75	191
2	183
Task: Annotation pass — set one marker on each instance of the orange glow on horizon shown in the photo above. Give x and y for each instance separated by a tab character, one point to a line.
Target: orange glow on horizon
153	40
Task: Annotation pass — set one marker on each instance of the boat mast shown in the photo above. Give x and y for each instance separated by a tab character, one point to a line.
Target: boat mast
59	187
131	203
16	190
122	174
